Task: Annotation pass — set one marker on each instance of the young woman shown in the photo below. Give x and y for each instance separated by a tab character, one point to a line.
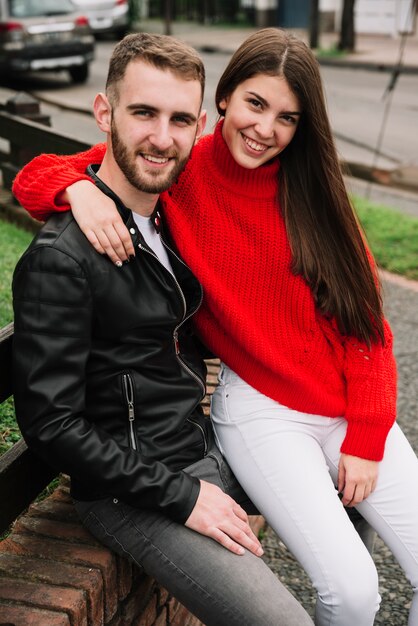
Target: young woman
307	393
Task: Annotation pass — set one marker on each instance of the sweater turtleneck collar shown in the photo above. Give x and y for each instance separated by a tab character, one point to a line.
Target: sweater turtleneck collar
260	182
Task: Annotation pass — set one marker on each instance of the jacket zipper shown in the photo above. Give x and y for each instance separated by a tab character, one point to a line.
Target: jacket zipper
184	365
185	318
193	374
205	441
129	397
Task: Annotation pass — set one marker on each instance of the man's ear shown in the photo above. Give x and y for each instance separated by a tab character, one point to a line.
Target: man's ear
201	124
102	112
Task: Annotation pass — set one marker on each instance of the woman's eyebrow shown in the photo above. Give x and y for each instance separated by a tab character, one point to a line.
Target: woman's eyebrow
256	95
265	103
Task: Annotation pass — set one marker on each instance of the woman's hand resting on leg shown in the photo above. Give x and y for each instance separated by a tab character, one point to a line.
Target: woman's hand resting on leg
356	478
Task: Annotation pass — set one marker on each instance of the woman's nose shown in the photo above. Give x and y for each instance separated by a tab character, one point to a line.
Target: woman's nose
265	127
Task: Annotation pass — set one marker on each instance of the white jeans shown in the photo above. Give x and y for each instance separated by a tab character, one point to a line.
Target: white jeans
287	462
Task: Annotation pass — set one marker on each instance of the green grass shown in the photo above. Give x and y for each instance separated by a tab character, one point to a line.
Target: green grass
9	431
13	241
392	236
332	52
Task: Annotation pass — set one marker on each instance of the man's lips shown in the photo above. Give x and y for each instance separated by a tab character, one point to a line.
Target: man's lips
158	160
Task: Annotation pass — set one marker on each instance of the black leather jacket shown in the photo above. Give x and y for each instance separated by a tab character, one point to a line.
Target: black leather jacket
108	379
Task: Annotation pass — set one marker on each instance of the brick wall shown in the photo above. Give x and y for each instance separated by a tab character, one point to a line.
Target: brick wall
54	573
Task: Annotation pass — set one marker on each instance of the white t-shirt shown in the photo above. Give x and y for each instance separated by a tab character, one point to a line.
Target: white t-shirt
152	239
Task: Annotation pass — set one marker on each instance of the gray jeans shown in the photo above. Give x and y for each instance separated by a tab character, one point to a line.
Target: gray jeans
220	588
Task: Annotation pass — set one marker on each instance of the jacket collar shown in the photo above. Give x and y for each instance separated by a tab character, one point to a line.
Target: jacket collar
125	213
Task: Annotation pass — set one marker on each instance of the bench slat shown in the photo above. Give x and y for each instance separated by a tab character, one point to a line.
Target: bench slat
6	337
22	477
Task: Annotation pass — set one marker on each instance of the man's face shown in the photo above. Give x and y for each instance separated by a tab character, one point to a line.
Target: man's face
154	125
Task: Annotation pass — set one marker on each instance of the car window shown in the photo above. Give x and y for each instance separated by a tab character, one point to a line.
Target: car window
35	8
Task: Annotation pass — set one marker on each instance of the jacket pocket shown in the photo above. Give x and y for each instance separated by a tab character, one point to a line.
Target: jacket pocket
201	430
129	397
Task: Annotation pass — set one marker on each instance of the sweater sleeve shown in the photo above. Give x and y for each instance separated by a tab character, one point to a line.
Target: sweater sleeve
371	380
38	184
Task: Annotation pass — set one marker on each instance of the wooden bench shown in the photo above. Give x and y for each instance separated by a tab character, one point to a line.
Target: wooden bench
52	571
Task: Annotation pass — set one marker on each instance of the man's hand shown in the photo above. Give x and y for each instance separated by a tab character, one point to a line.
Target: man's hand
356	478
218	516
99	220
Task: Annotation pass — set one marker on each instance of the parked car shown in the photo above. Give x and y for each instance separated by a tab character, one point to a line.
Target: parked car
106	16
45	35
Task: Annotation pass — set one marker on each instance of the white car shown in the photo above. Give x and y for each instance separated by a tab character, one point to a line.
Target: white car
106	16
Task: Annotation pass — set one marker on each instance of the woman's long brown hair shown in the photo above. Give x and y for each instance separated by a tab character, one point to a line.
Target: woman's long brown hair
328	247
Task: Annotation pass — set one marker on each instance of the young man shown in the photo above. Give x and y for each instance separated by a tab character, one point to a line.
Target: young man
108	380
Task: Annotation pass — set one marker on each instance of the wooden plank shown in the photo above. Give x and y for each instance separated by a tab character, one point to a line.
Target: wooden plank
37	137
6	337
9	171
22	477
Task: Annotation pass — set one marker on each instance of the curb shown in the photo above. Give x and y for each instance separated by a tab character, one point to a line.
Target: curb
358	64
367	65
397	279
404	178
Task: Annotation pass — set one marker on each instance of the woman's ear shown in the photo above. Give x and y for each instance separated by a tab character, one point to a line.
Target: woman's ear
223	104
102	112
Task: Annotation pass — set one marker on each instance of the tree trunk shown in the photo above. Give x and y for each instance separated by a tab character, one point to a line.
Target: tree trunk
314	24
347	33
167	17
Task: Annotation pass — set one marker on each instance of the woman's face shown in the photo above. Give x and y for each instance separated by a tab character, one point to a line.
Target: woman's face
261	117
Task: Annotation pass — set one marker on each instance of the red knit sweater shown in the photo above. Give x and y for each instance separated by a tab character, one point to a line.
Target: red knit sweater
257	316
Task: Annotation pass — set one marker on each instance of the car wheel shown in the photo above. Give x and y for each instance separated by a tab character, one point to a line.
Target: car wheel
79	73
121	32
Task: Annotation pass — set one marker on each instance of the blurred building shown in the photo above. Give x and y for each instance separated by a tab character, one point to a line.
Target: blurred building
385	17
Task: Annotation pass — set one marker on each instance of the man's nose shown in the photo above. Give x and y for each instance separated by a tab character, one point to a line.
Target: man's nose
160	136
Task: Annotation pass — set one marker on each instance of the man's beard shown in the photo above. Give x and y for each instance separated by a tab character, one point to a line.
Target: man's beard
128	165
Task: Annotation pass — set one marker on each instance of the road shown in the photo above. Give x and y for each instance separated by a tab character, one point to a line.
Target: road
355	100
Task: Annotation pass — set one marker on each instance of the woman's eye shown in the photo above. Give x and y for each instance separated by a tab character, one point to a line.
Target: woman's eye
255	103
289	119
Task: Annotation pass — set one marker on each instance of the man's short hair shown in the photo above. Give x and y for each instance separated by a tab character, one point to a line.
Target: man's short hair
162	51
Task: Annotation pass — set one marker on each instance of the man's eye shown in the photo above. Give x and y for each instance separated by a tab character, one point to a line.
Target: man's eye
180	119
142	113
